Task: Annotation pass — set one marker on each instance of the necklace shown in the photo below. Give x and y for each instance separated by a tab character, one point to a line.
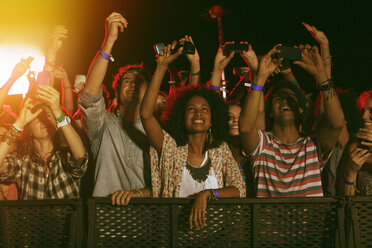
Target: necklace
199	174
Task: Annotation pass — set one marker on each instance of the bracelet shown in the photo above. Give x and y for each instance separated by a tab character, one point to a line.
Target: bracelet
11	135
257	87
325	85
171	82
347	182
216	194
140	192
209	195
195	74
17	128
106	56
214	87
61	118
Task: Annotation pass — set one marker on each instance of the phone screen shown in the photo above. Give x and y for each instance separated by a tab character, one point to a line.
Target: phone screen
43	78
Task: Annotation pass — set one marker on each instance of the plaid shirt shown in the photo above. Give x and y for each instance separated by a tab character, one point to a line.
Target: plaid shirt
33	182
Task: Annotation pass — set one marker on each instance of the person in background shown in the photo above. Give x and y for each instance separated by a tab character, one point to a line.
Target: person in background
41	167
356	177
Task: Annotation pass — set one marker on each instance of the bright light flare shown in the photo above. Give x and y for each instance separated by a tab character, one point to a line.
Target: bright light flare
12	54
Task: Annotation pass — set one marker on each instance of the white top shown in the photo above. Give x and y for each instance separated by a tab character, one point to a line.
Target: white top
189	186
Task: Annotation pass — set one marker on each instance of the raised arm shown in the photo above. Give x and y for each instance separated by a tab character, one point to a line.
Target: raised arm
115	23
194	60
220	62
18	70
25	116
333	114
322	39
150	123
250	110
51	97
67	94
59	33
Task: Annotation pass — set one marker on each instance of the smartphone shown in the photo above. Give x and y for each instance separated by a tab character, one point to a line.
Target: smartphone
289	53
43	78
79	82
238	48
188	47
158	47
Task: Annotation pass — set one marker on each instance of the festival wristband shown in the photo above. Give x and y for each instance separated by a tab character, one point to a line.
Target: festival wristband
214	87
216	194
347	182
106	56
195	74
257	87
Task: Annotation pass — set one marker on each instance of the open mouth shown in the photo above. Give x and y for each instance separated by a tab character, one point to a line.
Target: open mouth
283	108
198	121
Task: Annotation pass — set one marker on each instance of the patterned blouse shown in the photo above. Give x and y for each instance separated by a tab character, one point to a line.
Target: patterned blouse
166	171
61	182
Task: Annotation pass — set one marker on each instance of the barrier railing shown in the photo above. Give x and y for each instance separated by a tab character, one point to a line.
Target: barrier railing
285	222
46	223
270	222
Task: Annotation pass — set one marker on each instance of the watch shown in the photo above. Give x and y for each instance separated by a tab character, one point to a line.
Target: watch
65	122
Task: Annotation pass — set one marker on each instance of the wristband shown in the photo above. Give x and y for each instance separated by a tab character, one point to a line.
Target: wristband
106	56
248	85
195	74
257	87
17	128
216	194
325	85
171	82
347	182
214	87
209	195
61	118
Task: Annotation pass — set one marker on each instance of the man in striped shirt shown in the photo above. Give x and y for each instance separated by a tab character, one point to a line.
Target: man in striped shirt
285	164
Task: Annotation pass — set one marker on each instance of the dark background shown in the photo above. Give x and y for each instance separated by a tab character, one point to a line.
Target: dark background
262	23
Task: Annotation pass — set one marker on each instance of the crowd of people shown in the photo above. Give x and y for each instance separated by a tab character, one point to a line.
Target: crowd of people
262	140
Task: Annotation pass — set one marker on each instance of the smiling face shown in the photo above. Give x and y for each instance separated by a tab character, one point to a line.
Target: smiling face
285	108
197	115
234	114
43	126
133	88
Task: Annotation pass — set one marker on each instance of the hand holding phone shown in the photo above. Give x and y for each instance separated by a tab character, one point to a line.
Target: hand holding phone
43	78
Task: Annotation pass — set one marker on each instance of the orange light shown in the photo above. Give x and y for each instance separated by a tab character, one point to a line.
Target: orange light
10	55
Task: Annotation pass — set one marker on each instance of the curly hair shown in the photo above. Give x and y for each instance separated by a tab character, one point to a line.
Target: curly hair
300	120
173	116
118	79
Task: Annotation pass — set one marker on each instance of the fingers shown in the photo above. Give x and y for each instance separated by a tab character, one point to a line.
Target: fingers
121	198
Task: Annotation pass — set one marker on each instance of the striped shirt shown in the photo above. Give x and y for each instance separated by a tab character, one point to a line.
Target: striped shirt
283	170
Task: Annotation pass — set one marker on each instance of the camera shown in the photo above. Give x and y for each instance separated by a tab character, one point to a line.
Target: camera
188	47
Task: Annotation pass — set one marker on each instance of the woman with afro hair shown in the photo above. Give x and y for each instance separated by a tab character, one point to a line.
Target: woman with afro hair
190	158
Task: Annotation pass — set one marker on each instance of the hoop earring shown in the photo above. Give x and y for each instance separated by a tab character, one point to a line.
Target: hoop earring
209	137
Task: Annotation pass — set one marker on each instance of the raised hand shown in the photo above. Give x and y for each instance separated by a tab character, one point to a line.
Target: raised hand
192	58
60	73
26	114
51	97
221	60
114	24
269	64
166	57
311	61
317	34
59	33
358	157
20	68
250	58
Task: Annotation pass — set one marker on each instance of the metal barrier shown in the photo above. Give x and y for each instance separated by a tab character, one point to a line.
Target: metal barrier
46	223
280	222
269	222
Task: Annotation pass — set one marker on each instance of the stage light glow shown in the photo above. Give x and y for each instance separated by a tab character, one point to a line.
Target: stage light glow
10	55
